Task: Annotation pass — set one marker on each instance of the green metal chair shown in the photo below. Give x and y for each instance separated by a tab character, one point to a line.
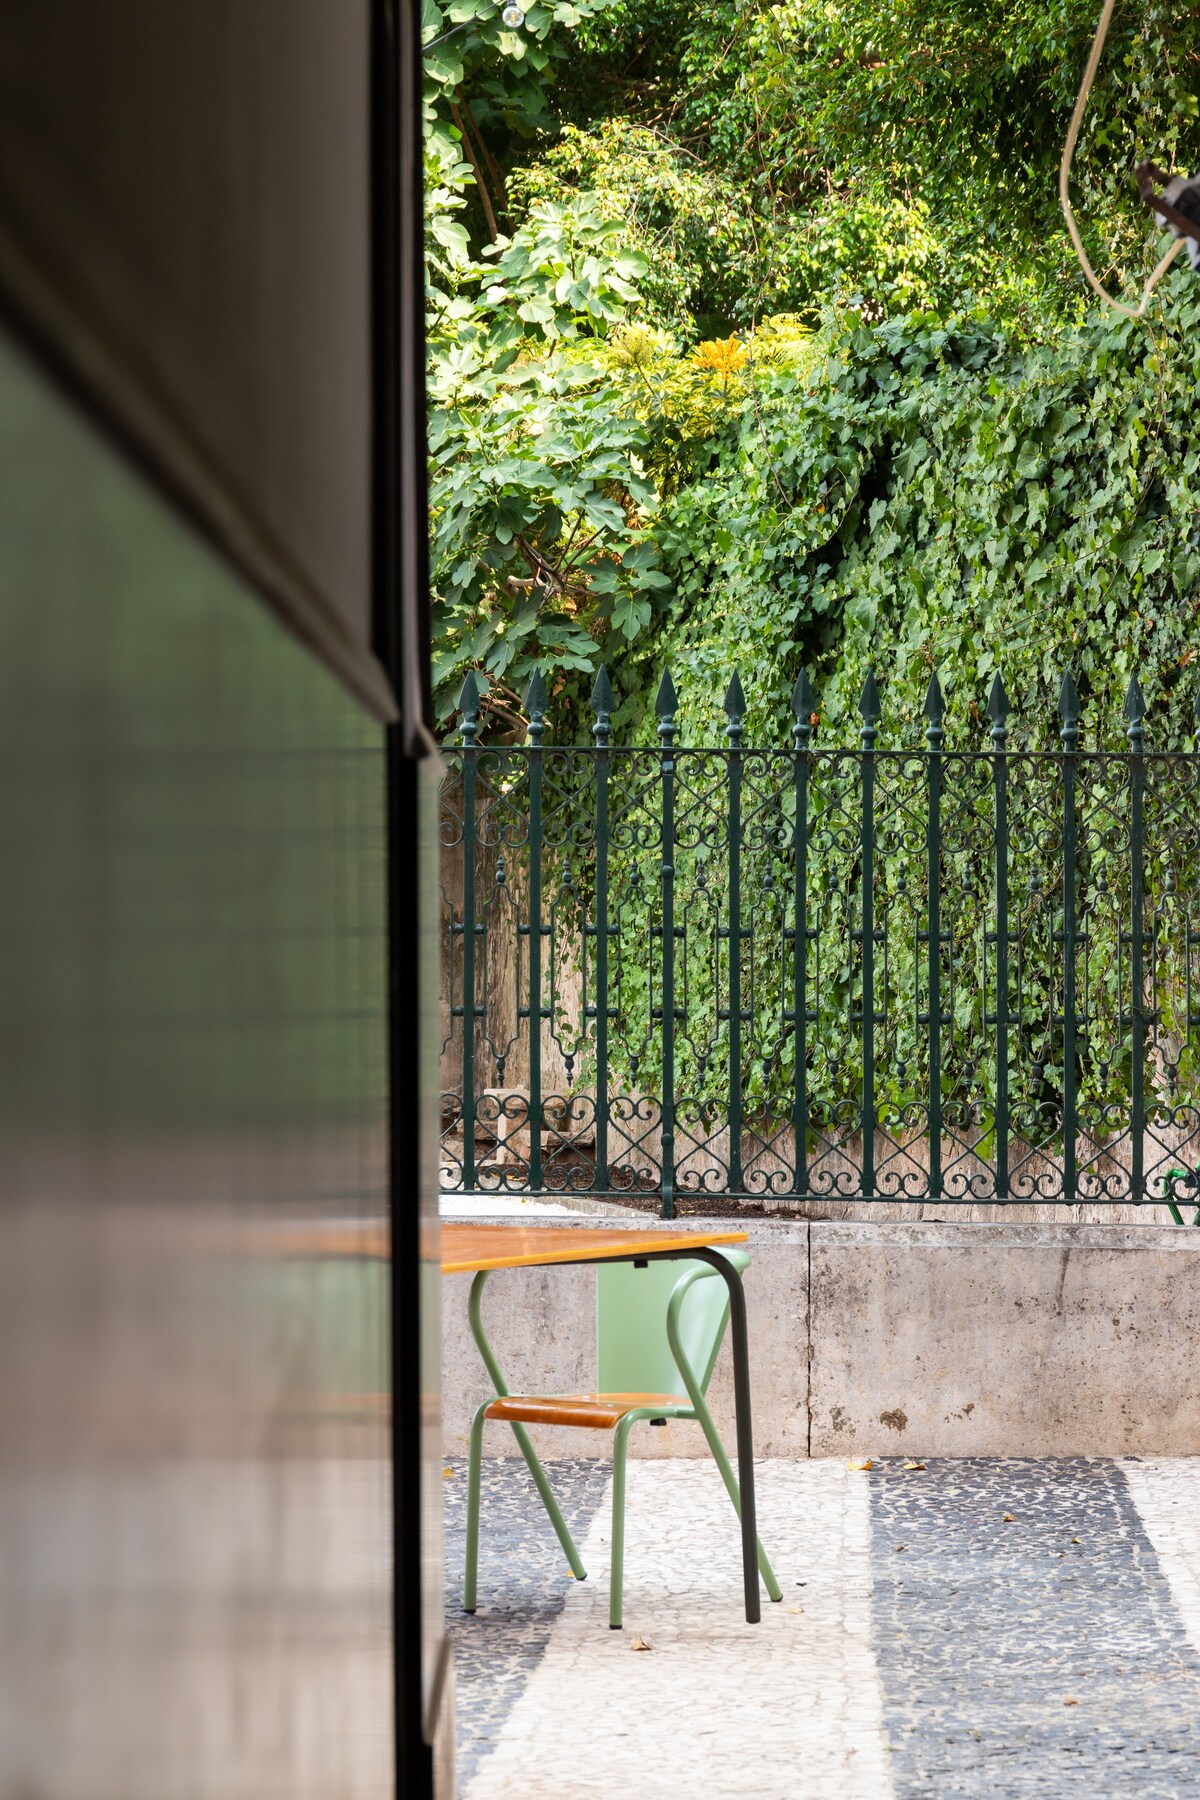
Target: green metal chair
659	1327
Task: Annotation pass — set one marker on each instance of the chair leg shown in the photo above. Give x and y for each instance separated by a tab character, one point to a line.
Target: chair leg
550	1503
475	1315
731	1487
474	1482
616	1579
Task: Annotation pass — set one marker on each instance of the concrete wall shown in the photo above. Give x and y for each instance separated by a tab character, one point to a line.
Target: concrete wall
885	1339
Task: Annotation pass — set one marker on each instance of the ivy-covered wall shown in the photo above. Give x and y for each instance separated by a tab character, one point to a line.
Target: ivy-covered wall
756	338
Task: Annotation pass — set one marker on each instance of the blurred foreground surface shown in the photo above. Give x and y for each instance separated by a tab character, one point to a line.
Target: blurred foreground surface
194	1478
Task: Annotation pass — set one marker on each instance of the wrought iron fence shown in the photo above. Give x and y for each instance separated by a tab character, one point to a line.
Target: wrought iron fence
879	972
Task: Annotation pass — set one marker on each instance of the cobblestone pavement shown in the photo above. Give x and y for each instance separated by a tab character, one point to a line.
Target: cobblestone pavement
927	1644
522	1584
1026	1635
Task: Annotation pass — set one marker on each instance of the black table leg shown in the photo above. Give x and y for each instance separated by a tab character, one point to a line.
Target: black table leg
745	1432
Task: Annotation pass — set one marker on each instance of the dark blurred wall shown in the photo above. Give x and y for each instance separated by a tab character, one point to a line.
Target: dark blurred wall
194	1481
186	224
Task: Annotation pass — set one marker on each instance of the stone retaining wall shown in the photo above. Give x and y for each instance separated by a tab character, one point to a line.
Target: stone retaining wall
921	1339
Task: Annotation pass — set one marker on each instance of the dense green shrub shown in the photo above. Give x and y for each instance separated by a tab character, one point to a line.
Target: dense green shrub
935	495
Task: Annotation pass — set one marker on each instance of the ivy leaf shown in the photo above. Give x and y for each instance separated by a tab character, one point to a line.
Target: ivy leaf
630	615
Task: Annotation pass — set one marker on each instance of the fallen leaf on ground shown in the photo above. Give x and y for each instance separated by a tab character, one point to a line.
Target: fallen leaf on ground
1074	1540
795	1609
865	1464
913	1465
901	1546
448	1472
639	1643
1070	1700
1010	1518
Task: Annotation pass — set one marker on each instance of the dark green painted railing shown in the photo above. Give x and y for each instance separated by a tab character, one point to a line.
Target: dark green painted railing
941	970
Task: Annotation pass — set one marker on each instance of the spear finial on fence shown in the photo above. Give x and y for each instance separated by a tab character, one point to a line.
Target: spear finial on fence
1068	708
998	709
804	705
868	706
665	705
935	712
602	705
1135	714
535	706
468	706
735	711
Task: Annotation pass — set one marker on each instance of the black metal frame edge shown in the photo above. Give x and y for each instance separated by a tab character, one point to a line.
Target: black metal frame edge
401	632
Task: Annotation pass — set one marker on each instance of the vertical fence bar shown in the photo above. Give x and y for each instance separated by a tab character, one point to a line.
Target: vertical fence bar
868	706
935	712
1068	706
998	710
602	700
1191	935
468	705
1135	713
803	706
535	701
665	707
735	710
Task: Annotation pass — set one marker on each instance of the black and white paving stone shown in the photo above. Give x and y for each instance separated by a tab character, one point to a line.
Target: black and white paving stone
926	1645
1026	1636
522	1584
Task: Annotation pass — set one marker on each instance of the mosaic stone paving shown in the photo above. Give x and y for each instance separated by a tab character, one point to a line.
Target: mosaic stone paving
1026	1637
522	1584
927	1644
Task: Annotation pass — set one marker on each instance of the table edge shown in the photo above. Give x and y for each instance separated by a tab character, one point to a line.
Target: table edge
700	1240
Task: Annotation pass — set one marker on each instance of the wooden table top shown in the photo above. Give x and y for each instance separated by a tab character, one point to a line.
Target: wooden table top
467	1248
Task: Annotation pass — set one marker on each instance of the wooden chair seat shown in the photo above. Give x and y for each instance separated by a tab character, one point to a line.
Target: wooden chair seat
602	1412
